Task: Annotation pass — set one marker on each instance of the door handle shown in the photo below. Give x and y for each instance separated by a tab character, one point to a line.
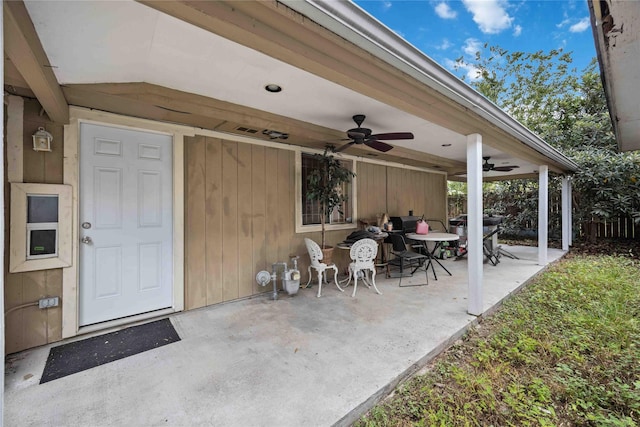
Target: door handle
86	240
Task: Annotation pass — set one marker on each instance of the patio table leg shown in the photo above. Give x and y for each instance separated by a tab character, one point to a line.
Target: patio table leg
432	257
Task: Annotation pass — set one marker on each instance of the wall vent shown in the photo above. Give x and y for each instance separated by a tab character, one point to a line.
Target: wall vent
247	130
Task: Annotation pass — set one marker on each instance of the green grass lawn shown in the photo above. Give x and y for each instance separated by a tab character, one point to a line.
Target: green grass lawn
565	351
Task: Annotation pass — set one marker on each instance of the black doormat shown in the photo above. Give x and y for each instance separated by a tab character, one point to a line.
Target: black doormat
77	356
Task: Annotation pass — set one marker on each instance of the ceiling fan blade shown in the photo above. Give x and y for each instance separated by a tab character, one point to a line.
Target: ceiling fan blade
378	145
343	147
505	168
392	136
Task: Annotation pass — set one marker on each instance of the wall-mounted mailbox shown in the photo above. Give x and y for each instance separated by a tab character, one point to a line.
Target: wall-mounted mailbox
40	227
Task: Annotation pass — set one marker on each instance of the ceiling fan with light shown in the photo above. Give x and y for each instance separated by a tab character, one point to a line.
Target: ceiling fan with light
486	166
360	135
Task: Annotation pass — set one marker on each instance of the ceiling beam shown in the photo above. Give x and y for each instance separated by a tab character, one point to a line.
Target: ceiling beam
23	47
167	104
154	102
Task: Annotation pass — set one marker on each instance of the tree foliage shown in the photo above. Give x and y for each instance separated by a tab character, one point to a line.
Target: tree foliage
567	109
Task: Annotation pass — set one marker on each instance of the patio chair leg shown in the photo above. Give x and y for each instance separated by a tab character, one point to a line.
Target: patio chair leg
506	253
373	281
308	281
335	278
320	283
355	283
424	264
349	279
365	279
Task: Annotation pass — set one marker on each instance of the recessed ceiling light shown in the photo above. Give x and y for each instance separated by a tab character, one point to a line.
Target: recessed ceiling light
273	88
446	145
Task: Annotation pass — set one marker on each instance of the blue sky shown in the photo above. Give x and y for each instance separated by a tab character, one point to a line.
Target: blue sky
447	30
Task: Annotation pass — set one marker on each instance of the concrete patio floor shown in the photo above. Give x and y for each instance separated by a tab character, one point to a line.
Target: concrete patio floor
296	361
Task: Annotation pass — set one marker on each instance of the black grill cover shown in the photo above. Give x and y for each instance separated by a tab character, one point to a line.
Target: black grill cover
406	224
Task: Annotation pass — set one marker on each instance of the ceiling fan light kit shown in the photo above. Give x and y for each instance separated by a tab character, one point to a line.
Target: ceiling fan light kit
360	135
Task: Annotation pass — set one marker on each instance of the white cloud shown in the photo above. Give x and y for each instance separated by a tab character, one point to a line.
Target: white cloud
517	30
566	21
386	5
471	46
446	44
472	73
445	12
490	15
580	26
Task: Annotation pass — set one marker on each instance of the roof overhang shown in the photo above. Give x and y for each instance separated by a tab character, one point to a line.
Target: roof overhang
205	64
616	31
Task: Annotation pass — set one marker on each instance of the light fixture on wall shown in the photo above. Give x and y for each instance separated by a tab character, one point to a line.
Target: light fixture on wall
274	134
42	140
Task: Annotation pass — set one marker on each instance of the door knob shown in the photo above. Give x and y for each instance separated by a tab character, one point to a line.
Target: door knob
87	240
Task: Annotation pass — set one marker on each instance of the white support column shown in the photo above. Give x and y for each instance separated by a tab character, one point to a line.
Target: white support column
543	213
566	213
474	224
570	213
2	237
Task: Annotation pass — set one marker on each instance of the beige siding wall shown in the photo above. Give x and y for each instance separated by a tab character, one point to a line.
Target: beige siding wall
239	214
396	191
372	190
238	217
30	327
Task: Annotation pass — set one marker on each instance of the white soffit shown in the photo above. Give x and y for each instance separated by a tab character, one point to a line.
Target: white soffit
119	42
125	41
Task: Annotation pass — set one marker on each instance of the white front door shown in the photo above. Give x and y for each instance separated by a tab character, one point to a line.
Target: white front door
125	222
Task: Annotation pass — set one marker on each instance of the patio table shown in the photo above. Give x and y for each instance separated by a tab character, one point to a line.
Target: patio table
436	238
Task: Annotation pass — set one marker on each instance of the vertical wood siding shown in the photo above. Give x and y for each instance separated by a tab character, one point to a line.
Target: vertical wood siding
423	193
372	190
240	207
238	217
31	326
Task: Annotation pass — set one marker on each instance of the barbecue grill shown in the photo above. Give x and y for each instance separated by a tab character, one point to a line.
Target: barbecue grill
405	224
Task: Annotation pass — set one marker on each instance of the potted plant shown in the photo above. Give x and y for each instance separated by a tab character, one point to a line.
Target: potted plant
324	185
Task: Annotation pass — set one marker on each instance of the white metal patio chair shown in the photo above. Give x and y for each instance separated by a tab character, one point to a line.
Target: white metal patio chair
315	254
363	254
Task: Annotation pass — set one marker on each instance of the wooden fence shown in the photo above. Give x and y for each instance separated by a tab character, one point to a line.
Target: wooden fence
624	228
618	228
